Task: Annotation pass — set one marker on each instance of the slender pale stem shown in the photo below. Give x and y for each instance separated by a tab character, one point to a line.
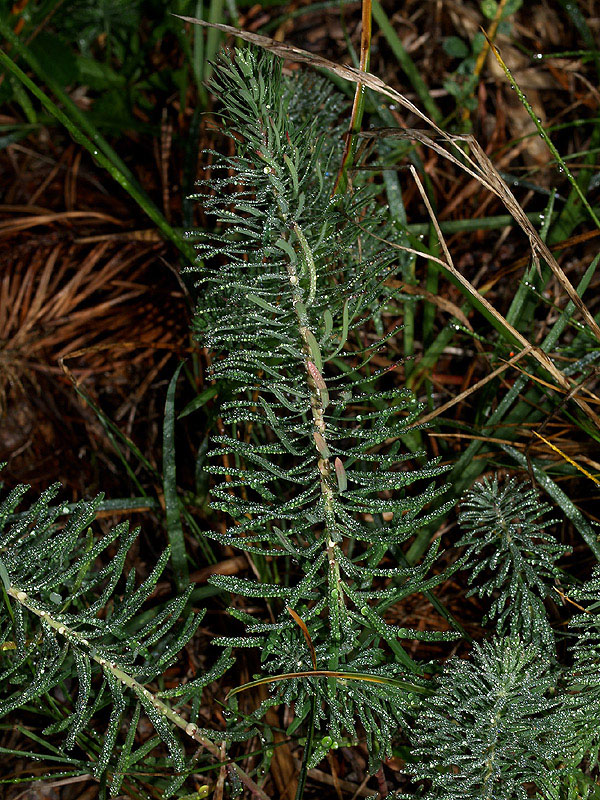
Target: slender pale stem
78	639
326	471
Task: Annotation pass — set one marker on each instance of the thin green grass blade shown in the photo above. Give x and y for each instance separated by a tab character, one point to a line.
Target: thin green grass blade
542	132
73	111
198	59
406	63
113	432
201	399
578	19
213	36
310	734
569	509
450	226
358	107
172	506
91	145
514	314
432	286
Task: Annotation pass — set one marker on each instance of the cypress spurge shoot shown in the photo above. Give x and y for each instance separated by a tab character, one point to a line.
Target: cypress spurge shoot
313	474
66	622
494	725
509	555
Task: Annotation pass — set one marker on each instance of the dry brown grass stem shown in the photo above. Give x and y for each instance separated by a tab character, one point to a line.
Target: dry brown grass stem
541	357
11	226
476	386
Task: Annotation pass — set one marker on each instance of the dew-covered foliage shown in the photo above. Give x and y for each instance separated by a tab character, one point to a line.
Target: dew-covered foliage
493	725
72	618
315	470
518	718
310	468
584	677
509	555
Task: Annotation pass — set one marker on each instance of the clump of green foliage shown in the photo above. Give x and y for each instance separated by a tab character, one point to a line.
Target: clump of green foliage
72	628
509	555
494	723
513	715
314	469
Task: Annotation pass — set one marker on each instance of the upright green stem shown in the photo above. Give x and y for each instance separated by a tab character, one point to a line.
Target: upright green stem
310	735
358	106
407	65
318	402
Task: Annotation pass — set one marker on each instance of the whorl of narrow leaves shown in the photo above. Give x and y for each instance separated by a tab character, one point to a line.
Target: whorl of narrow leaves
63	618
492	725
310	451
585	673
509	555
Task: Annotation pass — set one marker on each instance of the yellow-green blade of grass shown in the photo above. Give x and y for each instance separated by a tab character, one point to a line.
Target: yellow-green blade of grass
382	680
406	63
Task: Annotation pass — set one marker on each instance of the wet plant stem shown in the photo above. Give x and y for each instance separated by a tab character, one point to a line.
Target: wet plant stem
319	399
74	637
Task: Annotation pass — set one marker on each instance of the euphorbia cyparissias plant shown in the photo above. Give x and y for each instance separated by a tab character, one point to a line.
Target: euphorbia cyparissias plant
293	285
